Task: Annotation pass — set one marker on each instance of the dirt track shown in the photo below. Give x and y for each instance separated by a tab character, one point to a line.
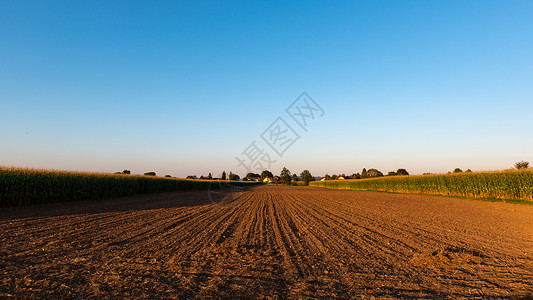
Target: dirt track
268	242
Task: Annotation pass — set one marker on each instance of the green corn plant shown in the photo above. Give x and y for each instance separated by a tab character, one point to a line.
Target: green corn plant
509	184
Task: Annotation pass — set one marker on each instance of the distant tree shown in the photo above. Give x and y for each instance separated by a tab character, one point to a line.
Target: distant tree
285	176
295	177
521	165
333	177
118	173
356	176
391	173
233	177
374	173
402	172
253	175
306	177
168	176
126	172
223	175
192	177
364	173
327	177
209	176
457	170
468	171
149	173
266	173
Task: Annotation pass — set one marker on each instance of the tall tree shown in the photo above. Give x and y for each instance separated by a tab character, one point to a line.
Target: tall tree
306	177
234	177
266	173
285	176
209	176
373	173
402	172
223	175
252	176
521	165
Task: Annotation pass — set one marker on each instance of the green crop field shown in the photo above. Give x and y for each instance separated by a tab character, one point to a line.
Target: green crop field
22	187
510	184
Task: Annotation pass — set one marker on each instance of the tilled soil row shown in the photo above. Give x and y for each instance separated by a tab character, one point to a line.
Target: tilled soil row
268	242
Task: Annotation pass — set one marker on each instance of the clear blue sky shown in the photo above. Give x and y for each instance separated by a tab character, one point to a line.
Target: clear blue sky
183	87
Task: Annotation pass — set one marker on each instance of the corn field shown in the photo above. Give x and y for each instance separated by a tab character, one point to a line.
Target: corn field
511	184
22	187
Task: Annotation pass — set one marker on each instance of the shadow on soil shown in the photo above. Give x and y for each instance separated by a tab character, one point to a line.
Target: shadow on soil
123	204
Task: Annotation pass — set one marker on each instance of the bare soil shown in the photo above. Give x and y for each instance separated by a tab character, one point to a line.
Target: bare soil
268	242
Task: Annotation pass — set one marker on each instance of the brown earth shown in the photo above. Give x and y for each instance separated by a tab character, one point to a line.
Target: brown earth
268	242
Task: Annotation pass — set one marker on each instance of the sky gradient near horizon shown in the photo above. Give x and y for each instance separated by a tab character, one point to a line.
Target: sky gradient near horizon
184	87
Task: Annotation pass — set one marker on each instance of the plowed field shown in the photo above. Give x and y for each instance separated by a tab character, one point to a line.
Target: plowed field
268	242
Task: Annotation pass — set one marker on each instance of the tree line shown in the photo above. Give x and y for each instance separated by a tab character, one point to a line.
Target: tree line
286	177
